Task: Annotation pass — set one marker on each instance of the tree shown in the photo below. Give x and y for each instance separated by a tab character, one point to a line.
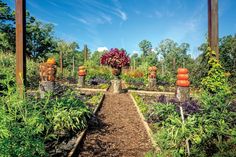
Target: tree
95	58
7	30
228	53
39	37
146	47
173	54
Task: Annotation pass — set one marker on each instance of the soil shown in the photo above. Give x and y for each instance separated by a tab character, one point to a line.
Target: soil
117	130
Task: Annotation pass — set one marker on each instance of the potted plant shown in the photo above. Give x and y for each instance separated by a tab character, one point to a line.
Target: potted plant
116	59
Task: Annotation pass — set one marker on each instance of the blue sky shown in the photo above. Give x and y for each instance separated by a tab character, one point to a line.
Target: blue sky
124	23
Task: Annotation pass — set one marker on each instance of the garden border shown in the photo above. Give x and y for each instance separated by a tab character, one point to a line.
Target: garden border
81	135
151	92
147	128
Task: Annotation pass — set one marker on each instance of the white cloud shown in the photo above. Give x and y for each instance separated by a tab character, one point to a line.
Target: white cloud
101	49
106	18
122	14
153	50
78	19
135	52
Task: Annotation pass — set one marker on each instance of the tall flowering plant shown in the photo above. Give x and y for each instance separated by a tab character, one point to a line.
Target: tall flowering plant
115	58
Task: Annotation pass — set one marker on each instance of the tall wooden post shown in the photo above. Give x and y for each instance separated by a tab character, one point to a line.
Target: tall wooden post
85	53
20	45
213	26
61	63
73	67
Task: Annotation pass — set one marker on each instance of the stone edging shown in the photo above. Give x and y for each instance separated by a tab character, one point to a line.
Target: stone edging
81	135
152	92
147	128
94	89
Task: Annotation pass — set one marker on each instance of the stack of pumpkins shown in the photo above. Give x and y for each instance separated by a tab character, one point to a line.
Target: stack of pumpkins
182	78
81	71
152	72
48	70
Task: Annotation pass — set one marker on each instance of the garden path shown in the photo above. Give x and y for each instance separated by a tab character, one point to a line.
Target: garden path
117	131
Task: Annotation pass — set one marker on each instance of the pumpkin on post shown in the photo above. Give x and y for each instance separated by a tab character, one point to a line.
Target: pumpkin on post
183	83
47	72
152	73
81	74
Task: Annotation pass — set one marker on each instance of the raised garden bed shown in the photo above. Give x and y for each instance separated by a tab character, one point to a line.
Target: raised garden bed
67	141
80	135
179	134
68	144
91	85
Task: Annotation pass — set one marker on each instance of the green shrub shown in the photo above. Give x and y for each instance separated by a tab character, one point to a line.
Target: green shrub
26	124
211	131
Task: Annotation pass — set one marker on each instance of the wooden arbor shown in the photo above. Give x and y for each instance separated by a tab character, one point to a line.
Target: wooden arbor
21	39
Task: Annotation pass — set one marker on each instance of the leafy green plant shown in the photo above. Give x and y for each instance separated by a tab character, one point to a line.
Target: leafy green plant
210	131
26	124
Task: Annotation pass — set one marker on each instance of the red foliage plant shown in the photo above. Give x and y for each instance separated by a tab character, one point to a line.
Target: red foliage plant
115	58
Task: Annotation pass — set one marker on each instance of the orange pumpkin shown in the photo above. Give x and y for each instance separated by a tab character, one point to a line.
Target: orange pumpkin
182	71
51	61
152	75
182	77
81	67
153	68
82	72
183	83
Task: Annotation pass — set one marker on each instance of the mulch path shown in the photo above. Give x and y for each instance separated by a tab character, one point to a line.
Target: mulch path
116	131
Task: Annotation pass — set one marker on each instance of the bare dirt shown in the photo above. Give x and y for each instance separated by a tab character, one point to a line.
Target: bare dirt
116	131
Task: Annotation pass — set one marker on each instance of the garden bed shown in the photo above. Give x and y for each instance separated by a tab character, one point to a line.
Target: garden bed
70	141
82	134
171	134
97	87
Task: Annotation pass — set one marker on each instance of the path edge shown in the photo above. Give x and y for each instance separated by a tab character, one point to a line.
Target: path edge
147	128
81	135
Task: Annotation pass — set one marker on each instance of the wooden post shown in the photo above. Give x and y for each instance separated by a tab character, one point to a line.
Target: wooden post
73	67
61	63
20	45
85	53
213	26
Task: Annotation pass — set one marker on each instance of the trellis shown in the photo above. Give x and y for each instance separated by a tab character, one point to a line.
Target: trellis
21	37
